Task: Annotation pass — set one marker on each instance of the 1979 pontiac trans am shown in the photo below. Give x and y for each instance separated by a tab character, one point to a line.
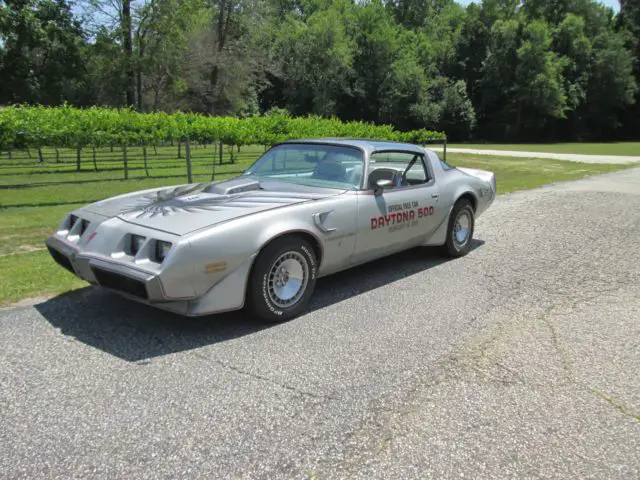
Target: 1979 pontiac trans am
303	210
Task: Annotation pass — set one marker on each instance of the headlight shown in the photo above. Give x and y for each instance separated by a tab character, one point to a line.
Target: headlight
162	250
72	221
136	244
83	226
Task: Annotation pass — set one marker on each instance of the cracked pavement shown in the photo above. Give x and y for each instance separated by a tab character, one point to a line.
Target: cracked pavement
520	360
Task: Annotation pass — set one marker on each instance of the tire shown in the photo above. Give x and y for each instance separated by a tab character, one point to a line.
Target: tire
267	297
462	219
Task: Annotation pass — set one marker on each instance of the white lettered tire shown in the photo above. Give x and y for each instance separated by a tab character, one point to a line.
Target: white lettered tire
460	231
283	279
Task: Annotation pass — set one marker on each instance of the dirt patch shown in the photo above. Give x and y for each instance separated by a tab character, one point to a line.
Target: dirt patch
27	302
21	249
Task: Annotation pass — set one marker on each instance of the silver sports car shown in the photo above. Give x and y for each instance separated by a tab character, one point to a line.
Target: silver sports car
303	210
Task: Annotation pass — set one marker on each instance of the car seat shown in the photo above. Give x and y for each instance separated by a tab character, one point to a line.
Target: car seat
330	169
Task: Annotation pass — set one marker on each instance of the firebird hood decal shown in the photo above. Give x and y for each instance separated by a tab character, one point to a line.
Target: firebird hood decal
183	209
171	201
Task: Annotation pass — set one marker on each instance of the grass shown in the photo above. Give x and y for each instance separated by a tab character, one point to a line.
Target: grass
34	197
33	274
613	148
514	174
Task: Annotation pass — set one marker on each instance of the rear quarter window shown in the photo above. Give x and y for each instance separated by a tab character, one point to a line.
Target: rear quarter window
446	166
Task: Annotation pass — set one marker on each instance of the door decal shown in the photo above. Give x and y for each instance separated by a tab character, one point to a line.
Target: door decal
401	215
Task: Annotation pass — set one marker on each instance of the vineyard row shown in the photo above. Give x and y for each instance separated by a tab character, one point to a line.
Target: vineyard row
36	126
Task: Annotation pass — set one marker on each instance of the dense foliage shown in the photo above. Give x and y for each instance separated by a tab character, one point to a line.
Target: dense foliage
496	69
73	127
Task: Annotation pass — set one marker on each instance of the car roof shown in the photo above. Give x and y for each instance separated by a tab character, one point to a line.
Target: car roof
369	146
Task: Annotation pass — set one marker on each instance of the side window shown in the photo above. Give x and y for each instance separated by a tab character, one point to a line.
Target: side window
445	166
403	169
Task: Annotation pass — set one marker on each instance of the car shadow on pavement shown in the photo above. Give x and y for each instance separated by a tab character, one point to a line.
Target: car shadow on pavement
135	332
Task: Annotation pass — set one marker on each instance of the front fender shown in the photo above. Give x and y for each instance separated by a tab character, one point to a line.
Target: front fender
290	227
218	252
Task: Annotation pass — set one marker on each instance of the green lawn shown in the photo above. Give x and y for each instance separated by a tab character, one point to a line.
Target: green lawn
34	197
524	173
614	148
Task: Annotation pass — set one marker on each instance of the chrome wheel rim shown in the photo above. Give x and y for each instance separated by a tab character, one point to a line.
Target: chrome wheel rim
288	278
461	228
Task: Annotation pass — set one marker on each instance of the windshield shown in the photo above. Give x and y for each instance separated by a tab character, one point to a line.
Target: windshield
317	165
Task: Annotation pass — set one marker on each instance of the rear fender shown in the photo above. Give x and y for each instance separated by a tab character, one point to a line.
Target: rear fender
439	237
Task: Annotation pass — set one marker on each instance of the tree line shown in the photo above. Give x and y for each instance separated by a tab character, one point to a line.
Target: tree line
495	70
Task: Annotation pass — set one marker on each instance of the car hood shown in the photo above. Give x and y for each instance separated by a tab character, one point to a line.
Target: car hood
185	208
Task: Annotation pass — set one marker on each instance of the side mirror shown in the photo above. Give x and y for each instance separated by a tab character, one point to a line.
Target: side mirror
381	185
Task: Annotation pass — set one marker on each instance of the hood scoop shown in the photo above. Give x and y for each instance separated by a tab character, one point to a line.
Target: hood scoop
230	187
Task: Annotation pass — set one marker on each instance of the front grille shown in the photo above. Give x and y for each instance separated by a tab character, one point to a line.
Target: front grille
61	259
121	283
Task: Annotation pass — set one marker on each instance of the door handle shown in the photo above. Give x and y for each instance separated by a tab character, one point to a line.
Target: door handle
435	195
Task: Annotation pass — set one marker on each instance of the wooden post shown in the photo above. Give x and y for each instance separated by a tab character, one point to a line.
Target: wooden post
444	154
144	155
179	149
187	148
78	150
95	164
126	162
155	150
57	155
220	159
40	157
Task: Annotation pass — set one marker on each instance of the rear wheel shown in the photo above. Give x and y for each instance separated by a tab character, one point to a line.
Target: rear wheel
460	231
283	279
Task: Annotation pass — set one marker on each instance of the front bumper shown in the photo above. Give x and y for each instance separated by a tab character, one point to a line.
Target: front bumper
146	287
125	279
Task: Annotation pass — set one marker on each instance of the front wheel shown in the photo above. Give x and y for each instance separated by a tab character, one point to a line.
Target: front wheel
283	279
460	231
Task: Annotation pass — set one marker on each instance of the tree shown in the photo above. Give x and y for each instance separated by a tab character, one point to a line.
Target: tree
497	85
495	69
574	49
611	86
316	61
40	52
105	81
115	18
451	109
470	51
162	33
629	20
539	90
127	42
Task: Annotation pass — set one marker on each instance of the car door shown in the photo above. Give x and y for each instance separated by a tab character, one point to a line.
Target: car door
400	215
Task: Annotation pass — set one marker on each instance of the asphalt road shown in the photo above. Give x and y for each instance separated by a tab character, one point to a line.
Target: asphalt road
521	360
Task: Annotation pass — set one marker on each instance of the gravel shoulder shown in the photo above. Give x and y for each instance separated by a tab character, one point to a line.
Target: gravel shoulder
572	157
520	360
